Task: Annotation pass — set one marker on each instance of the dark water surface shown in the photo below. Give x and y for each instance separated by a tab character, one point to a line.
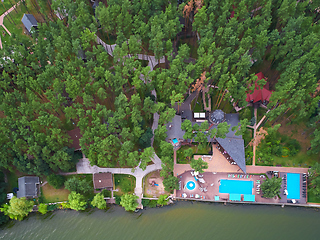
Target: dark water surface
181	221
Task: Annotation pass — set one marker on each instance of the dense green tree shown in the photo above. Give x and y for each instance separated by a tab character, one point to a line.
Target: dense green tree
74	184
76	201
56	181
170	183
314	178
98	201
271	187
18	208
162	200
129	202
198	165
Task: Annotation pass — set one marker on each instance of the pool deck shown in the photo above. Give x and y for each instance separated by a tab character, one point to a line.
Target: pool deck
212	182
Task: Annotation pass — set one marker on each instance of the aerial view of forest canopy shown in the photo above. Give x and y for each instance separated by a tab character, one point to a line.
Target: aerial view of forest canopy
62	78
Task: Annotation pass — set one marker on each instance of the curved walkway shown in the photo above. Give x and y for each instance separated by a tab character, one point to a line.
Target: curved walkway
84	167
2	17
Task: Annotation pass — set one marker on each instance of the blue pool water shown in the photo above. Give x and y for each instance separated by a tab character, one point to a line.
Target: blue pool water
293	185
235	186
191	185
175	140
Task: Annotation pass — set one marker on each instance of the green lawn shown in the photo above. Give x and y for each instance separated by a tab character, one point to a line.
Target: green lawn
50	194
180	153
302	159
125	183
312	198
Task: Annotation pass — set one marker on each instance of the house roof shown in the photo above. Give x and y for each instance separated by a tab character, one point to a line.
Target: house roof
29	21
75	135
28	186
235	148
259	94
102	180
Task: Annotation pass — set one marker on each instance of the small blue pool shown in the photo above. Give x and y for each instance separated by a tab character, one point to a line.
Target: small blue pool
190	185
235	186
175	140
293	185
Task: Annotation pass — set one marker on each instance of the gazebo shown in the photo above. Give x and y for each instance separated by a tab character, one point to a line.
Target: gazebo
216	117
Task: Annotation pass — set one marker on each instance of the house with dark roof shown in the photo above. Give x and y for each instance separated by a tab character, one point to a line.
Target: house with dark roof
29	22
103	181
232	146
75	135
29	187
260	95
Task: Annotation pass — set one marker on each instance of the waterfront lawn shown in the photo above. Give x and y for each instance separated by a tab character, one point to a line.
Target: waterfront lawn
124	183
312	198
49	194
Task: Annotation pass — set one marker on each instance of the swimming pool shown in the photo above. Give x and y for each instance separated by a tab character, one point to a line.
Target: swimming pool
190	185
235	186
175	140
293	185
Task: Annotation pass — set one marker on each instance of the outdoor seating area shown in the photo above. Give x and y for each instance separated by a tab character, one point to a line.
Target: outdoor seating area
234	187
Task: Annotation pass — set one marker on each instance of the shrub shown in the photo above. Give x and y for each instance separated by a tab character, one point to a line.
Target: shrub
56	181
43	208
152	204
53	207
145	202
118	200
106	193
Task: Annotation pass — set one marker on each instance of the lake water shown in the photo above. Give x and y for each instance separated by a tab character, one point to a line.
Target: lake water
184	220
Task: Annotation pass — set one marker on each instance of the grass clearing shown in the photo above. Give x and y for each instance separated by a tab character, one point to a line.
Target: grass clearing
50	194
312	198
124	183
13	23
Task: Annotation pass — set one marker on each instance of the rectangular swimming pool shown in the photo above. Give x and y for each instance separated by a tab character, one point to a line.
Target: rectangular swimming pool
175	140
293	185
235	186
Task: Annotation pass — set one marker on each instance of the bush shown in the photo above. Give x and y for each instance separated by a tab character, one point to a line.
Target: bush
53	207
145	202
118	200
294	146
56	181
106	193
43	208
152	204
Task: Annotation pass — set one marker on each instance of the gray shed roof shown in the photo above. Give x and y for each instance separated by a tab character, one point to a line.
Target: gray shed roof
28	186
29	21
235	148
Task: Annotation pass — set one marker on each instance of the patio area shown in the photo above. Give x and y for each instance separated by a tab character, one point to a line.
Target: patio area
208	188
